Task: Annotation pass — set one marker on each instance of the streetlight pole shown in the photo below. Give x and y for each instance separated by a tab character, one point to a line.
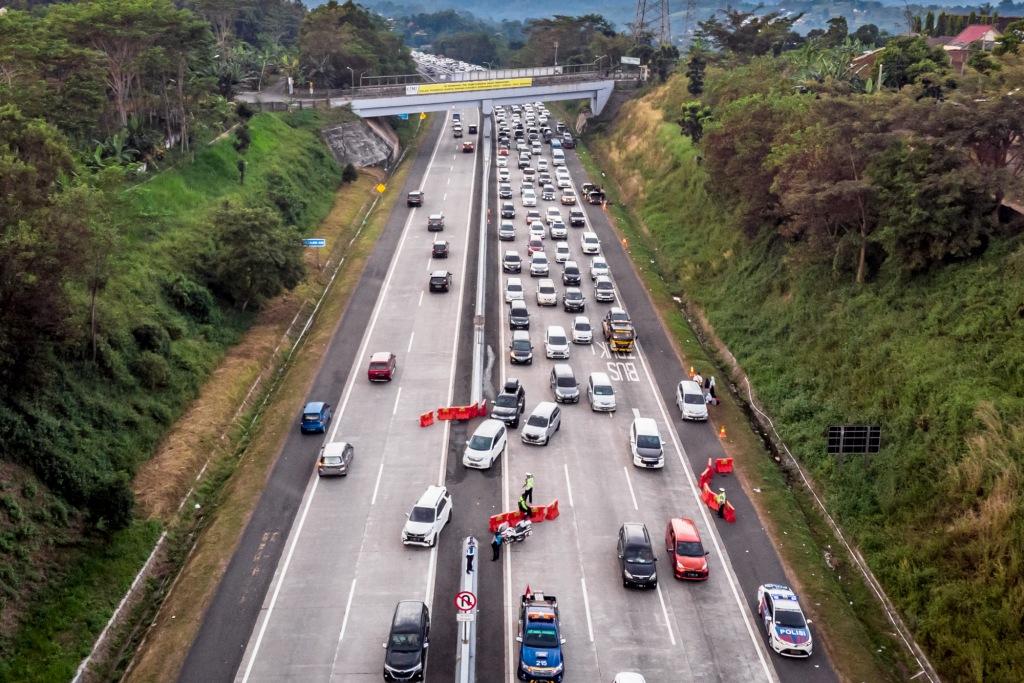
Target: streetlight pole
556	53
351	77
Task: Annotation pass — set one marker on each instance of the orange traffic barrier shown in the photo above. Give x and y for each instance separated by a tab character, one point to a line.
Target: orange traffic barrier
538	513
552	510
463	413
444	413
427	419
730	513
723	465
708	496
499	519
705	477
481	409
721	432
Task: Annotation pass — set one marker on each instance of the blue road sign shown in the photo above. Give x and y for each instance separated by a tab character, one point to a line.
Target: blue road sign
315	242
404	117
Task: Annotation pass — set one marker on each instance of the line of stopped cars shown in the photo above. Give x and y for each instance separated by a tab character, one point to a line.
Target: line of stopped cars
540	656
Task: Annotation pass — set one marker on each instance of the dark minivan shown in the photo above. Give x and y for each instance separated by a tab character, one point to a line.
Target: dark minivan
636	556
406	650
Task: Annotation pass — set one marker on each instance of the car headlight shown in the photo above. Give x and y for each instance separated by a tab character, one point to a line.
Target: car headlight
626	573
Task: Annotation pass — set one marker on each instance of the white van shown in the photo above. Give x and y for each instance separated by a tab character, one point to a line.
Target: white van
690	401
557	157
645	444
600	393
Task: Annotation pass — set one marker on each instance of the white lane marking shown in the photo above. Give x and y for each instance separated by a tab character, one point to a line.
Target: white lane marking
376	485
280	581
409	347
394	410
664	610
449	180
344	622
586	608
636	412
420	303
625	470
567	484
334	430
713	530
445	197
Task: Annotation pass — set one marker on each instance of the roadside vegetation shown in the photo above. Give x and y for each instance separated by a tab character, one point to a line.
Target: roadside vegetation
146	220
842	233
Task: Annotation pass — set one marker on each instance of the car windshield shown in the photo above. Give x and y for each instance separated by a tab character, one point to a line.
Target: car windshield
512	259
568	382
437	278
515	287
789	618
537	421
647	441
311	417
690	549
583	327
546	290
420	514
405	642
602	390
379	366
693	399
480	443
521	345
573	295
332	459
572	270
541	635
555	340
639	555
505	401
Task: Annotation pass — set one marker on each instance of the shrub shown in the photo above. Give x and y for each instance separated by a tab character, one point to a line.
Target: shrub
288	199
11	507
152	337
190	297
112	503
243	138
349	174
152	370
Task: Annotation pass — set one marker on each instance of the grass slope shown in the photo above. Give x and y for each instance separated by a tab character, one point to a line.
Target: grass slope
57	585
938	361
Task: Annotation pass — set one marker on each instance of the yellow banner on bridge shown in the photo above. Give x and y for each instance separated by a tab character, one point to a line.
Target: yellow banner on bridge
467	86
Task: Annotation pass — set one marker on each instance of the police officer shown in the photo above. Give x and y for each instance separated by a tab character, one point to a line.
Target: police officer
528	488
496	546
720	499
524	507
470	554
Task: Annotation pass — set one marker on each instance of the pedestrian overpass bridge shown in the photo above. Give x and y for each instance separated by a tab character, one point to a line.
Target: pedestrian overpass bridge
416	93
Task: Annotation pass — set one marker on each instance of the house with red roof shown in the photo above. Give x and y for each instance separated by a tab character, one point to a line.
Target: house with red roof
973	37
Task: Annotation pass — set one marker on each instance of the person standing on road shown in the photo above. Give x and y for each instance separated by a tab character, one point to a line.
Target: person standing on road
698	379
496	546
711	390
524	507
528	488
470	554
720	500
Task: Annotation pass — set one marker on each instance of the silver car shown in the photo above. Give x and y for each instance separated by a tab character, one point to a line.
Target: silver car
335	459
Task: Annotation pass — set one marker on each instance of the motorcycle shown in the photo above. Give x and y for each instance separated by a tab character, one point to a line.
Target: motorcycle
518	533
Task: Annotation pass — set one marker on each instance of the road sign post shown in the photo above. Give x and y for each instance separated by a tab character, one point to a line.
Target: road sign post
465	617
317	243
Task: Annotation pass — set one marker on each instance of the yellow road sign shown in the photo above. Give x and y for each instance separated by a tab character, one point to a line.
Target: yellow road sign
423	115
464	86
381	187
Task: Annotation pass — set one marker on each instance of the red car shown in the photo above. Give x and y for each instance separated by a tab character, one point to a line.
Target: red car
382	367
535	245
468	146
682	542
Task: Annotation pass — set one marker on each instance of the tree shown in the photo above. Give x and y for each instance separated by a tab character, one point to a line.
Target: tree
695	68
746	34
867	35
837	32
256	255
574	36
474	47
40	241
932	205
929	23
822	182
981	61
691	123
1010	41
906	58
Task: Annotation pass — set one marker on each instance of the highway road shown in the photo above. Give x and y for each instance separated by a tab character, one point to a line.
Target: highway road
328	607
333	548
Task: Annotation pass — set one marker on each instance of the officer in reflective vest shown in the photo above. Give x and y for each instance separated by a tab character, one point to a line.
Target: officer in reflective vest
720	499
528	488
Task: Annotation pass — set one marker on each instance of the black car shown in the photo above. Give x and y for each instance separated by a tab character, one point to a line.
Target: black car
440	281
405	656
572	300
518	315
508	210
636	556
571	276
439	249
414	198
511	262
505	192
577	218
510	403
472	129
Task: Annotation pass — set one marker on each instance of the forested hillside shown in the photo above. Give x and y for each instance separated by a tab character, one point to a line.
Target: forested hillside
144	219
844	238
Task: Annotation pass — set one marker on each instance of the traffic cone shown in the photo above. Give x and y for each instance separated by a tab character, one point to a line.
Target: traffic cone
721	432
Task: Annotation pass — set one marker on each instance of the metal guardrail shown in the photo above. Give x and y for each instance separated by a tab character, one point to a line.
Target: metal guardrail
465	647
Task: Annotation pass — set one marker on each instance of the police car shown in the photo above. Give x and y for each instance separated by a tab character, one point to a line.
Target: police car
540	640
788	630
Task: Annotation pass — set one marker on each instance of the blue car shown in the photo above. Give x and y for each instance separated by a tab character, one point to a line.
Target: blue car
540	642
315	417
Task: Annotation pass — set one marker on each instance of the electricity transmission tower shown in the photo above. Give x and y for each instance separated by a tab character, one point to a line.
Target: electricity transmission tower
688	19
652	20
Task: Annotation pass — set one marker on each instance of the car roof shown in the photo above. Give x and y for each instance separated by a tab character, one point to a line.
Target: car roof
439	273
511	252
544	408
556	329
690	387
335	448
380	357
646	425
600	378
782	596
580	319
520	335
517	303
636	532
437	215
601	279
313	407
488	427
407	613
685	529
546	282
589	233
574	290
616	310
431	495
563	369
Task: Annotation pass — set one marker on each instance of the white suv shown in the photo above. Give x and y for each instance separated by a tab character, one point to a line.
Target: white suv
546	294
556	343
428	516
513	290
690	401
590	243
539	264
486	445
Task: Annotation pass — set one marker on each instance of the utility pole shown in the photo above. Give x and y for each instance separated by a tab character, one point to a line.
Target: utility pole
556	53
